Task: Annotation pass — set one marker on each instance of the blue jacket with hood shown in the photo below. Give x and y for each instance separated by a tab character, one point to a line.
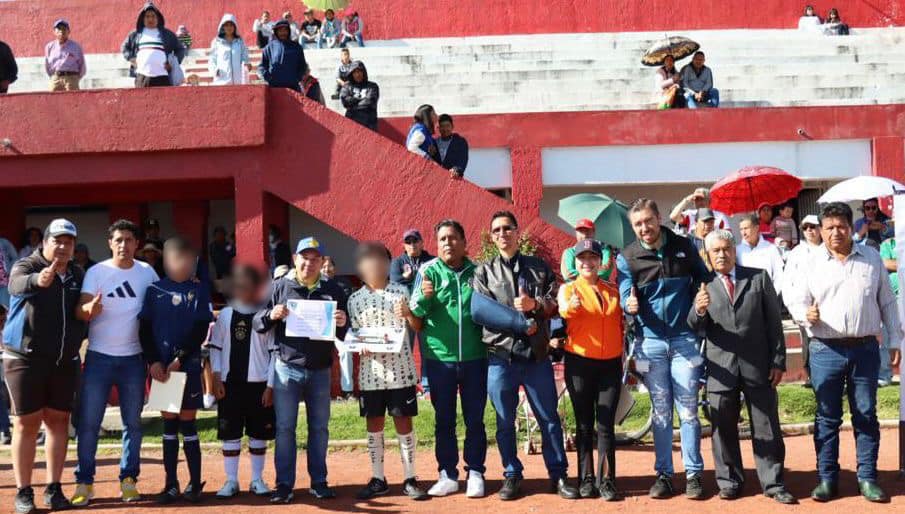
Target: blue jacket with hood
666	282
283	62
171	43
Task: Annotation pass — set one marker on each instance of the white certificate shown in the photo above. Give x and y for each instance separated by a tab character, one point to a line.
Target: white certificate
313	319
376	340
167	396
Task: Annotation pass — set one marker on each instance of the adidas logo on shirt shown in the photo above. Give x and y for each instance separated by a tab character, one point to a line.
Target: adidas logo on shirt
123	291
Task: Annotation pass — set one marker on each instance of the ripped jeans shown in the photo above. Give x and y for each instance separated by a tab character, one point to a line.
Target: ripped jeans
672	370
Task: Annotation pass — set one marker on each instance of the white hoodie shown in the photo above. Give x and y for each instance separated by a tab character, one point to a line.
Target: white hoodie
228	60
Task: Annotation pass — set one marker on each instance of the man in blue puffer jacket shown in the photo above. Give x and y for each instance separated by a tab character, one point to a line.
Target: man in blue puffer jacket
283	61
658	276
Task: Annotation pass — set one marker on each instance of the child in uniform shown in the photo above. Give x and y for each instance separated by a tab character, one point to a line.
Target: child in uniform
242	361
173	324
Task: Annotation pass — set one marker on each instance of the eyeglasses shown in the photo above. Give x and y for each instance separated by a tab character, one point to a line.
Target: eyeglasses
503	228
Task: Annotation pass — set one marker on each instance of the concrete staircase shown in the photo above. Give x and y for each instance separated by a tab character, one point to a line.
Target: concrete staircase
569	72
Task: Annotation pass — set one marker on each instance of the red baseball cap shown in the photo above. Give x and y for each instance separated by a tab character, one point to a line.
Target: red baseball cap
584	223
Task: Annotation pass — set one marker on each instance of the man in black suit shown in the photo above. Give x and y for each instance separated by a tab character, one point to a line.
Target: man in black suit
737	310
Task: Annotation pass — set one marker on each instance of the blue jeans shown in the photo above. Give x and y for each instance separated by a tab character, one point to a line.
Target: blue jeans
503	382
346	40
292	384
101	373
885	371
674	368
713	100
469	381
838	371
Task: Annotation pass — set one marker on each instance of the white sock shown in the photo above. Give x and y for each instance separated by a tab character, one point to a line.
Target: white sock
231	451
375	451
407	452
257	458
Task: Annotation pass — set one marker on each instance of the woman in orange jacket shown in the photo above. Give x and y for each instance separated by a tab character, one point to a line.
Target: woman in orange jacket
593	365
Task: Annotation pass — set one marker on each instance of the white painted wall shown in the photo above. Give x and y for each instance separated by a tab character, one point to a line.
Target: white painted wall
340	246
707	163
490	168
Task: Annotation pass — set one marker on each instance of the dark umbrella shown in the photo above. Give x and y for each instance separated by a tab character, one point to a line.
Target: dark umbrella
677	46
747	188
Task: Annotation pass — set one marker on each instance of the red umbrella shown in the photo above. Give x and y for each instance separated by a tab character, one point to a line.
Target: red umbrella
751	186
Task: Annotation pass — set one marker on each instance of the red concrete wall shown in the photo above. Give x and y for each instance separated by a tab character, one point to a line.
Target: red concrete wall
101	25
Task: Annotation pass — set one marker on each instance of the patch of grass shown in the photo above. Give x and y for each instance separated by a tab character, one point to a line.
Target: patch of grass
796	405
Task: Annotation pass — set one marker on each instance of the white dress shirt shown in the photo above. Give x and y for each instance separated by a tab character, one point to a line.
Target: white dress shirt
852	295
765	255
793	273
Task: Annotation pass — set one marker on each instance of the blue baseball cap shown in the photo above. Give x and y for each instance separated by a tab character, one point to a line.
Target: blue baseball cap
61	21
309	243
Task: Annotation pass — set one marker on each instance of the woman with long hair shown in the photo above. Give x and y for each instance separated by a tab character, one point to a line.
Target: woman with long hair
420	139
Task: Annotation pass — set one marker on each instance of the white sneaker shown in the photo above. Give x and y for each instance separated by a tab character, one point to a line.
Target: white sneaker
444	486
259	488
208	400
475	488
229	489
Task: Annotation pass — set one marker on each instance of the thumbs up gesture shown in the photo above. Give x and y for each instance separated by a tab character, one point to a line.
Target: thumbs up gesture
95	306
523	302
574	301
813	314
631	305
702	300
401	309
427	287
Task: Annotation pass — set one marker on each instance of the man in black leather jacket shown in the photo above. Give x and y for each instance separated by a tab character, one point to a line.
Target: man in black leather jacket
527	284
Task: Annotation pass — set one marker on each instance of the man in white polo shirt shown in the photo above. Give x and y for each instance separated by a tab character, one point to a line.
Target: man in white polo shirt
111	300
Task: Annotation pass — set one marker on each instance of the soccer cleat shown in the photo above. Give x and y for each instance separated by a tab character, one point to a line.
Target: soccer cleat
192	493
257	487
25	500
411	489
84	493
375	487
322	491
129	490
444	486
229	489
475	486
283	494
54	498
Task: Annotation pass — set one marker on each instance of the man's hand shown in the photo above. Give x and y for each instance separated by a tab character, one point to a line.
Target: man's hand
174	366
813	314
407	271
574	301
279	312
775	376
427	287
167	66
158	372
401	309
267	397
45	277
95	306
523	302
556	343
219	389
702	300
631	305
340	317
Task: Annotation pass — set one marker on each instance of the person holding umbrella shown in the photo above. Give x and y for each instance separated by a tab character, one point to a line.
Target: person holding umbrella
668	85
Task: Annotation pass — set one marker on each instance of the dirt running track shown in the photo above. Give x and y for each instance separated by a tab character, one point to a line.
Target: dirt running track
349	470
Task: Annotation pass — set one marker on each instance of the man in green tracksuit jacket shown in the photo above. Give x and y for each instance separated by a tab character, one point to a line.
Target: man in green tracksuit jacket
455	359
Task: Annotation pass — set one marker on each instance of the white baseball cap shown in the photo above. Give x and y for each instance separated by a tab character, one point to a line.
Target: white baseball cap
60	227
810	219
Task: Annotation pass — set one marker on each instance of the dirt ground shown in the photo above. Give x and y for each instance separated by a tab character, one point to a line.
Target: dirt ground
350	469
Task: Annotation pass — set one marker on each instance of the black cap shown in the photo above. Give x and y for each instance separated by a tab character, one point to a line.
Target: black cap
588	245
705	214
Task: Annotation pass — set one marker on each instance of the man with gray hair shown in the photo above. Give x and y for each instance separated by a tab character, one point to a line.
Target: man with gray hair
737	311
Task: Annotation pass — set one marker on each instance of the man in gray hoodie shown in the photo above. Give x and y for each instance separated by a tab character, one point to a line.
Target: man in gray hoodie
149	47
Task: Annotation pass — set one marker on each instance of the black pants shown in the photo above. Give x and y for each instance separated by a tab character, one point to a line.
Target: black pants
594	386
766	437
143	81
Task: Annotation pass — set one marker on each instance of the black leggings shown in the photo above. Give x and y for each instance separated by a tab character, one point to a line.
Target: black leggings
594	387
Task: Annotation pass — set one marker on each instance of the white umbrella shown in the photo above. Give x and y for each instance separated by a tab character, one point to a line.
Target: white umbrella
861	188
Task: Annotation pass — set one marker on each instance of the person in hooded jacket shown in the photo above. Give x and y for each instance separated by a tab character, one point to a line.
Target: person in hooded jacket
359	96
149	48
229	54
283	61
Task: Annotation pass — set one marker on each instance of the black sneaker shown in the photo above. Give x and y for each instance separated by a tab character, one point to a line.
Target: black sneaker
282	494
322	491
411	489
694	488
376	487
662	488
608	490
587	489
54	498
192	492
25	500
169	494
334	96
511	488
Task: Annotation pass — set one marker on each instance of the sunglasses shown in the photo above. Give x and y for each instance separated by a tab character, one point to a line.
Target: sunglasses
411	240
503	228
809	227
